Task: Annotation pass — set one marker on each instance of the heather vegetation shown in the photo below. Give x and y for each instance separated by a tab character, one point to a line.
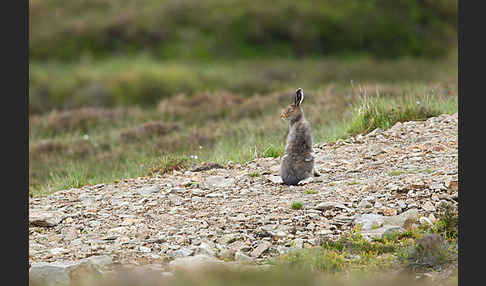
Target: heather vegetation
92	145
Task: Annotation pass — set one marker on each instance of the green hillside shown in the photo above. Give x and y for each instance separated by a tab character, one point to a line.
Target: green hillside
228	29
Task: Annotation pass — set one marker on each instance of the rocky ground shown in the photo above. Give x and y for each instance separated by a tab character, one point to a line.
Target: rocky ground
383	181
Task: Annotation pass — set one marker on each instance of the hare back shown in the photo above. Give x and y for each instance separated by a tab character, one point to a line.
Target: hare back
299	139
294	169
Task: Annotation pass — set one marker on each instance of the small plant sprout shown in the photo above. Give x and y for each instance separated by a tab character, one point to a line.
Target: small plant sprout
254	174
297	205
311	192
272	151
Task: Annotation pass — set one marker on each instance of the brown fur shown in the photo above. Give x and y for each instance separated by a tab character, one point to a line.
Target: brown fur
298	162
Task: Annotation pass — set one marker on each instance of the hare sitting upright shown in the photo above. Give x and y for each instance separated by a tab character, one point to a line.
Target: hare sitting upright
298	162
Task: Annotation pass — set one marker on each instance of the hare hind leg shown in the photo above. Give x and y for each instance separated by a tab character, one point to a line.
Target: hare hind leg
292	172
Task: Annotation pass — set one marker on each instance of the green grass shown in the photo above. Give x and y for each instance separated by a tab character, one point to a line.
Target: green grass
297	205
144	81
254	174
424	248
411	171
91	145
313	260
311	192
375	111
273	152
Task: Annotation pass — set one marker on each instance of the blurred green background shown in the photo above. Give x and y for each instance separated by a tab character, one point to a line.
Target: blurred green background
217	29
123	88
115	48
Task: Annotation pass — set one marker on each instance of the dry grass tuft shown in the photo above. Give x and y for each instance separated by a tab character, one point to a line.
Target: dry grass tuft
47	146
80	119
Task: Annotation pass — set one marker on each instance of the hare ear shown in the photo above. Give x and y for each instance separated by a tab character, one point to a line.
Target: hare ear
299	96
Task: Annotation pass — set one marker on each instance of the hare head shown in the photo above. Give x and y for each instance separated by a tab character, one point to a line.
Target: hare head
294	111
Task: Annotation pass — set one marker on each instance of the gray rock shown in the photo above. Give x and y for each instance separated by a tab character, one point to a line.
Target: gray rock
364	204
437	186
402	205
324	232
393	187
214	195
241	257
175	199
229	238
227	253
400	219
182	252
49	274
199	192
239	218
194	262
58	250
45	218
261	248
69	233
283	249
375	132
87	199
428	206
369	221
239	245
98	260
279	234
146	191
94	223
220	182
412	205
177	191
269	227
324	206
145	249
275	179
204	249
65	273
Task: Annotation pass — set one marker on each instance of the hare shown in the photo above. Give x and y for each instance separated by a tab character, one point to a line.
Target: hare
298	162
